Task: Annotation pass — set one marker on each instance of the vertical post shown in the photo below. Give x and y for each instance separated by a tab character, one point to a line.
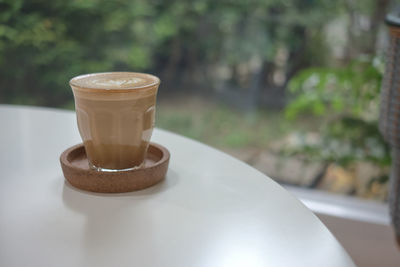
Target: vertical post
389	121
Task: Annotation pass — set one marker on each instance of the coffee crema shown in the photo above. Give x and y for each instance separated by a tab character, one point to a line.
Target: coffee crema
115	114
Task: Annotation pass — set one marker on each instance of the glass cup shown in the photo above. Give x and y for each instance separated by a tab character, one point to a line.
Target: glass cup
115	113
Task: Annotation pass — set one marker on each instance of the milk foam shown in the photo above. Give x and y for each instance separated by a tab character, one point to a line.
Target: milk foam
115	80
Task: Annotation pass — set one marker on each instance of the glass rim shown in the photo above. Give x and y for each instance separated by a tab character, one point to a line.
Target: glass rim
74	84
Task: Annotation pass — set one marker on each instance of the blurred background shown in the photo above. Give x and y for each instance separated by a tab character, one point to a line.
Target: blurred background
289	86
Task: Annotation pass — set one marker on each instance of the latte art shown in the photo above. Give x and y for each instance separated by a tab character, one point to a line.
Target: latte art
117	83
115	80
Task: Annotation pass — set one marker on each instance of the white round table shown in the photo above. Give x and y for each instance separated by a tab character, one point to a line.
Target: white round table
212	210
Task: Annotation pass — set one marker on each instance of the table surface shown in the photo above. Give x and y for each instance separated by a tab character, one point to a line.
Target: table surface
212	210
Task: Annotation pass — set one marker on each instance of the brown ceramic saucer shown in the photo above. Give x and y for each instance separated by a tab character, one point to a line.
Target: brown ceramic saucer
76	170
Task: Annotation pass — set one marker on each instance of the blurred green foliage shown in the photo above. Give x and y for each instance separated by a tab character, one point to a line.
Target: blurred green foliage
352	90
44	43
348	99
220	126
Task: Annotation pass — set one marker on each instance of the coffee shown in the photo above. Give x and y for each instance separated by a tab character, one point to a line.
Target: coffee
115	113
